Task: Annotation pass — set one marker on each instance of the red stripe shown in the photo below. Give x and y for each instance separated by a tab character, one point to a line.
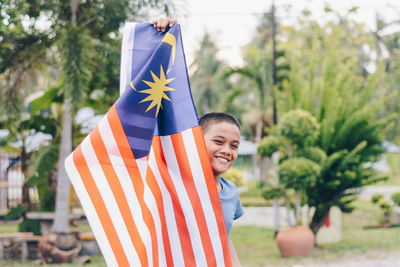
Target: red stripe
118	193
187	179
327	221
152	182
100	207
134	173
212	189
184	236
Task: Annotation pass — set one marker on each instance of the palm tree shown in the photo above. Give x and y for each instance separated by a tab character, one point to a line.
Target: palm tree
205	78
74	59
78	31
258	83
84	29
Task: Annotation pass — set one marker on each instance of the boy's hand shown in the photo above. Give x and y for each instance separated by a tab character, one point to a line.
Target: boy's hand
161	24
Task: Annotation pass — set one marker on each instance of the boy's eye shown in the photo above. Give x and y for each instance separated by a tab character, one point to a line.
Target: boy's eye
234	146
218	142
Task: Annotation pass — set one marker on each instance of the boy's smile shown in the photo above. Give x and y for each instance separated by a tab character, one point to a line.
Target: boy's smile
222	141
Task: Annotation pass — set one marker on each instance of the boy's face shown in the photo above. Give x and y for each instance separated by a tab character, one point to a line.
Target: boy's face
222	141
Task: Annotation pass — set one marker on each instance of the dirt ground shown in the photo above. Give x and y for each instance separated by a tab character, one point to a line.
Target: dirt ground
370	259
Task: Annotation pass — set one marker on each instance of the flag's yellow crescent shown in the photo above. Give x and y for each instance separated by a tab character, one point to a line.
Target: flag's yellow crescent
171	40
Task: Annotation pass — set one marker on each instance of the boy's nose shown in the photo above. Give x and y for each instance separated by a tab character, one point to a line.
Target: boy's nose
226	149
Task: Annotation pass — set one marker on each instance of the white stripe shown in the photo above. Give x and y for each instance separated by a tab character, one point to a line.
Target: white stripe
128	39
109	201
142	165
176	248
155	213
201	186
126	183
90	212
173	169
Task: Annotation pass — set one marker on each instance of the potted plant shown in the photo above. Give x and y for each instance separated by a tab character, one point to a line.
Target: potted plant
385	206
298	170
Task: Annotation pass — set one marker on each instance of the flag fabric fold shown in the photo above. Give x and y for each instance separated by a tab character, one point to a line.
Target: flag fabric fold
143	175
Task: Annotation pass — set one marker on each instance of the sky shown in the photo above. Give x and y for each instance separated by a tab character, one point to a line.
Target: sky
233	22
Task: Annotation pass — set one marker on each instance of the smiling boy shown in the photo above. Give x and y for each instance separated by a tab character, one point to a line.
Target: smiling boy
222	133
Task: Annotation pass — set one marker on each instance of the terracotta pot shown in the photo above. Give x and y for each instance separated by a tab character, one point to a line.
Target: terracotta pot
295	241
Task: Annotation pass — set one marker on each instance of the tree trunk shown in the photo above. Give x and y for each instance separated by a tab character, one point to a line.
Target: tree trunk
60	224
298	207
287	205
265	165
275	182
319	218
24	157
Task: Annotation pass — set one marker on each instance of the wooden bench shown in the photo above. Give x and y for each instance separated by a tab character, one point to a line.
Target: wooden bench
23	238
46	219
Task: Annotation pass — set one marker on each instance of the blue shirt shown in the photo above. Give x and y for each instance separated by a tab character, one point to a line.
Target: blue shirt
230	203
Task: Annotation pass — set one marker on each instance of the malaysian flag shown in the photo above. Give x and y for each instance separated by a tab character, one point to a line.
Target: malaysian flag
143	175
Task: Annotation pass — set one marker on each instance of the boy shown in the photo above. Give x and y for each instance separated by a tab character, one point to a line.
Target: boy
221	133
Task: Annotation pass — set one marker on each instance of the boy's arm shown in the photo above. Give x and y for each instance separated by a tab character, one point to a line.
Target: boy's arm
234	257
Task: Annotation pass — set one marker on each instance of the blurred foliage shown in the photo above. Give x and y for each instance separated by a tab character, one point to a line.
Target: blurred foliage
376	197
268	146
385	206
294	134
15	213
51	52
41	171
395	197
270	193
234	175
299	173
347	102
254	84
206	77
327	70
299	128
30	225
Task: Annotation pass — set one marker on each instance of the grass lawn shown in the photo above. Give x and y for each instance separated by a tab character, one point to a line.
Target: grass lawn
256	246
8	228
393	160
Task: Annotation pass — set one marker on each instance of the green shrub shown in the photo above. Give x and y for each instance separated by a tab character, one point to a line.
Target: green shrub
315	154
271	192
300	127
268	146
16	212
254	202
376	197
298	173
30	225
234	175
396	198
385	206
254	189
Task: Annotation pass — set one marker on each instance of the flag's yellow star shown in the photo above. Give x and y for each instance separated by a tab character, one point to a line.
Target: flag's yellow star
156	90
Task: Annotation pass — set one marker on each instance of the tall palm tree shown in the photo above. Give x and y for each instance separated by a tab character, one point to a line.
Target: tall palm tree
79	30
84	30
206	82
257	87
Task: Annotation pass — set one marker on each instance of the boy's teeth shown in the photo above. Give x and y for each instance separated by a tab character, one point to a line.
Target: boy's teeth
224	159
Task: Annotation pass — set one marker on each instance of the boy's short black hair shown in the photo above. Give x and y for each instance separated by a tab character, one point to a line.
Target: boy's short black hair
208	119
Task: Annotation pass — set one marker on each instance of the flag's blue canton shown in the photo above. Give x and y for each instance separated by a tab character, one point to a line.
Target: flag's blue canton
177	115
